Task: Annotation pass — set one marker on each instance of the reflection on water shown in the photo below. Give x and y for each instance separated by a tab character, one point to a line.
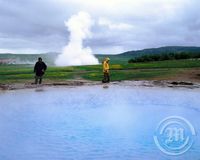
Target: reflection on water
105	86
92	122
39	89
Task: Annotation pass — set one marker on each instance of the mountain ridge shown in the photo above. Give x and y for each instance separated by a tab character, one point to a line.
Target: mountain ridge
164	49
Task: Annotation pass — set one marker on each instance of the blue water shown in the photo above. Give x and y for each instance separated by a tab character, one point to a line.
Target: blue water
92	122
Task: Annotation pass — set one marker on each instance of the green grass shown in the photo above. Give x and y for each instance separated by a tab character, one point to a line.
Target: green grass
165	64
118	71
119	75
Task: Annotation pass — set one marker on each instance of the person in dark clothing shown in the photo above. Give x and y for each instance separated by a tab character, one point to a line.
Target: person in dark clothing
39	70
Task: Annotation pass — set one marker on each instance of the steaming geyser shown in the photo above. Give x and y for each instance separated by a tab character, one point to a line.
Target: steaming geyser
74	53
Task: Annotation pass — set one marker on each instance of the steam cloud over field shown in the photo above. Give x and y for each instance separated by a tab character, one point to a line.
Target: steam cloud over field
74	53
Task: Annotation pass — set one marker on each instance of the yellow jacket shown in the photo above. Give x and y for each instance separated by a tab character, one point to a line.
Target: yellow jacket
106	66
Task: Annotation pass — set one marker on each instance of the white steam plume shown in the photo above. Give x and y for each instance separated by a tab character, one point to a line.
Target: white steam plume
74	53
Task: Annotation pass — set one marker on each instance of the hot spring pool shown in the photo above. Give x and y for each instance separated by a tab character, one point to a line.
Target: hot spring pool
92	122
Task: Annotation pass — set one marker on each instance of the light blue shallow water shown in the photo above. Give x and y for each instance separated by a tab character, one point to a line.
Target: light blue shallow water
117	123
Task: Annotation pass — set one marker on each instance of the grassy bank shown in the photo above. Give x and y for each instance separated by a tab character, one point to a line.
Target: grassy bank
121	71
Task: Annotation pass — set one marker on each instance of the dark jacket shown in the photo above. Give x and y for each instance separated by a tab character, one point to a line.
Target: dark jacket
39	68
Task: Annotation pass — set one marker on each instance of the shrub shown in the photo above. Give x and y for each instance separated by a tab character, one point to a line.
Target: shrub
164	56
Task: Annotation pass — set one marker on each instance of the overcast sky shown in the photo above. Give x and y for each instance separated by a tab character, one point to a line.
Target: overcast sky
37	26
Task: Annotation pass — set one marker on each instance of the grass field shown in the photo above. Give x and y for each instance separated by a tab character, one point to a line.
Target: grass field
121	71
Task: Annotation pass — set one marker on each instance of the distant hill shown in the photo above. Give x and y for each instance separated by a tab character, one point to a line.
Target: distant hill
28	58
126	56
168	49
50	57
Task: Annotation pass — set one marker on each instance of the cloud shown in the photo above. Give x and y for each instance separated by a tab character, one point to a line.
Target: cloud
121	24
111	25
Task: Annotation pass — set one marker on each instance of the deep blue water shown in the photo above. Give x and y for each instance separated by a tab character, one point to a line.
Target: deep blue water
92	122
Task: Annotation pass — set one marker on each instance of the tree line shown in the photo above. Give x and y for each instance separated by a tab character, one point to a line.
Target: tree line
165	56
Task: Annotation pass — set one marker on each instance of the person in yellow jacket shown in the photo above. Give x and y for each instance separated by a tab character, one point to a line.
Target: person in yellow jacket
106	68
